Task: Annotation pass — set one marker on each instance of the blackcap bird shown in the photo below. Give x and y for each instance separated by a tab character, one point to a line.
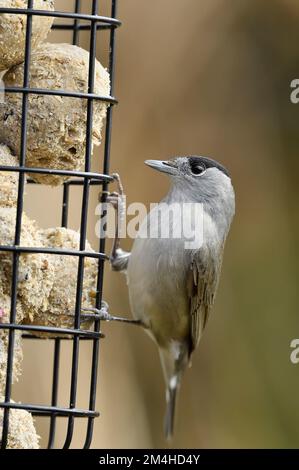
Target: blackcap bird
171	283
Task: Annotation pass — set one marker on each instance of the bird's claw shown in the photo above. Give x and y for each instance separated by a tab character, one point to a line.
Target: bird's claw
116	178
114	199
103	314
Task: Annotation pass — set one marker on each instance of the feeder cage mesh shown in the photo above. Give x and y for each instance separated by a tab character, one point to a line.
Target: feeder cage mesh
74	22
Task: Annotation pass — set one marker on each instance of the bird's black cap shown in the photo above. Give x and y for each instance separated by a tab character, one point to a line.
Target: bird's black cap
208	163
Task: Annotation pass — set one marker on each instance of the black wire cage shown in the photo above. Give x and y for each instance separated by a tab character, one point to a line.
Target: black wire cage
74	22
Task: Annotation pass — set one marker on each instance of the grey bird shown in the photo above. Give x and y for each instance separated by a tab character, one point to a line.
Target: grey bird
171	288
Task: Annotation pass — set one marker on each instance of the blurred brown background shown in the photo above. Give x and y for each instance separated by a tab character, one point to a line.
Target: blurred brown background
212	78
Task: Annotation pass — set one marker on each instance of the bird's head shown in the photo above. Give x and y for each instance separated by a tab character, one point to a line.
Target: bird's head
197	177
200	179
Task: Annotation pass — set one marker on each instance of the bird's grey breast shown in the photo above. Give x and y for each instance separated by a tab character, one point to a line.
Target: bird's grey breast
157	276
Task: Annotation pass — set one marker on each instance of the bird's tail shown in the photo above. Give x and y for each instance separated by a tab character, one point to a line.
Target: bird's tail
171	399
174	361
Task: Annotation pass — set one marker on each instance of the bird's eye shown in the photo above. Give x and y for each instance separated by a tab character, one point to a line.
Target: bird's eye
198	169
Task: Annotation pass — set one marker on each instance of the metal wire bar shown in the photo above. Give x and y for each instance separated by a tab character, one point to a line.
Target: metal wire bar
52	330
76	25
111	22
65	93
46	410
80	174
65	205
53	338
106	169
81	27
75	182
55	382
54	251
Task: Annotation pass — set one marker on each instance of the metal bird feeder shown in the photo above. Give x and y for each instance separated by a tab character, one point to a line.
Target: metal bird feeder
76	22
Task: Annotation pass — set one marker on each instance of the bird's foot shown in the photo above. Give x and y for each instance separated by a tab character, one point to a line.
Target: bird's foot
118	258
103	314
113	198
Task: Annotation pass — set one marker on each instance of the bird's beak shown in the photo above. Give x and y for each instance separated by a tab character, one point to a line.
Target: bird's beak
168	167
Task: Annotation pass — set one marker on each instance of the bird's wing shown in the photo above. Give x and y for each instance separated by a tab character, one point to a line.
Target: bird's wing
202	285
